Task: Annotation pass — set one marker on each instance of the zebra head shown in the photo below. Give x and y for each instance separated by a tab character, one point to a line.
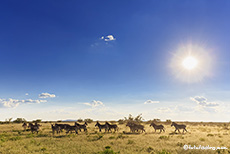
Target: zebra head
173	124
152	124
97	124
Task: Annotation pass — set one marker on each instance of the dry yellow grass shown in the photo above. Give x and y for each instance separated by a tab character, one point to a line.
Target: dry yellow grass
14	140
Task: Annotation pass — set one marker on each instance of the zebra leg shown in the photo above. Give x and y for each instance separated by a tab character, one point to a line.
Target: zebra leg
185	129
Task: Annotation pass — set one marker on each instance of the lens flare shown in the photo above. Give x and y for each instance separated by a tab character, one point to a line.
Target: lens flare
191	63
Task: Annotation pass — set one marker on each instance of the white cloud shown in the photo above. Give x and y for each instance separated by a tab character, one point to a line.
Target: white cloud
110	38
151	102
26	94
30	101
13	103
202	101
46	95
103	41
94	103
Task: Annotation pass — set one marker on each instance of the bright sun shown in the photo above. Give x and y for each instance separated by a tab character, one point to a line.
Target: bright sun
190	63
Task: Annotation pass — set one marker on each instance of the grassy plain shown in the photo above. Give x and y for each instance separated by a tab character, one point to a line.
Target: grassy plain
14	140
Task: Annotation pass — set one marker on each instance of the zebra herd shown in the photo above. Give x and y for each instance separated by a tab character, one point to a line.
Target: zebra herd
134	127
33	127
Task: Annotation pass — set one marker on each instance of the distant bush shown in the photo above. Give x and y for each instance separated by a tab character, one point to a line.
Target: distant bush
88	120
149	122
38	120
137	119
7	121
168	121
156	120
19	120
112	121
80	120
121	121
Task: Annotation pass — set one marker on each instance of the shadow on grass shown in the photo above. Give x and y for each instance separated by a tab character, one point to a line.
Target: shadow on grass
155	133
175	133
60	136
132	133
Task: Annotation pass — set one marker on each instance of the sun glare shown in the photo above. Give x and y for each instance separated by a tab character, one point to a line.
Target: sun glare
190	63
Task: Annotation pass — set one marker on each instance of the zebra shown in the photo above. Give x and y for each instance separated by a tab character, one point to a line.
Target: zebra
177	127
33	128
24	125
69	128
111	126
82	126
62	126
135	127
55	128
105	126
161	127
36	124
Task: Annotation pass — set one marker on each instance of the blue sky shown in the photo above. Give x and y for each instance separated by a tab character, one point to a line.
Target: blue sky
107	59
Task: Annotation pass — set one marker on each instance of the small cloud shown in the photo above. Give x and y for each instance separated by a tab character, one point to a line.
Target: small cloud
26	94
9	103
109	38
30	101
94	103
46	95
13	103
202	101
103	41
151	102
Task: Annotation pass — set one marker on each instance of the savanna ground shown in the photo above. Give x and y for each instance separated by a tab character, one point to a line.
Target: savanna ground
14	140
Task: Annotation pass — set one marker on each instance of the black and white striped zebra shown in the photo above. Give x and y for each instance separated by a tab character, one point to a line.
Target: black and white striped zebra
105	126
82	126
112	126
69	128
178	127
33	128
135	127
56	129
161	127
